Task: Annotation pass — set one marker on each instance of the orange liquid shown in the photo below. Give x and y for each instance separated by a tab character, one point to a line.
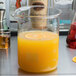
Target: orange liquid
38	51
4	41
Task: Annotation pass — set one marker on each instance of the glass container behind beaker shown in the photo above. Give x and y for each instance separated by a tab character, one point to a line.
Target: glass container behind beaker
71	38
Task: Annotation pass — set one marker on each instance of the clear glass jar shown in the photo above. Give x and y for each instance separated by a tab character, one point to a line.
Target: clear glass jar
67	13
38	38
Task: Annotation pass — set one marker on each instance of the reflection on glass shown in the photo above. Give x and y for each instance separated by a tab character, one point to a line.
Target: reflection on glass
52	73
63	2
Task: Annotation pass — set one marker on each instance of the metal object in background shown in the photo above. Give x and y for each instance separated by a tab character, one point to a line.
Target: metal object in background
4	4
2	12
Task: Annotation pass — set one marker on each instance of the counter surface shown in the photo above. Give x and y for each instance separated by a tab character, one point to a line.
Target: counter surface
9	62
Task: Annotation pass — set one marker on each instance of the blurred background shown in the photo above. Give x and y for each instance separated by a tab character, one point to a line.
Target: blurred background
67	7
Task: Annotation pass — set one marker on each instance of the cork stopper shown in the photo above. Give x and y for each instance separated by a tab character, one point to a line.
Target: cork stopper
39	10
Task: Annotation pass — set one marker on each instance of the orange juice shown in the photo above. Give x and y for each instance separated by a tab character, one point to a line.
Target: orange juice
38	51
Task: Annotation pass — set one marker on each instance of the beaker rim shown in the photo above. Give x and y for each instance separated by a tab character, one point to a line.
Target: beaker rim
51	13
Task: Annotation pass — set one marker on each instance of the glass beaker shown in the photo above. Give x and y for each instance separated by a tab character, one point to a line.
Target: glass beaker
38	38
71	38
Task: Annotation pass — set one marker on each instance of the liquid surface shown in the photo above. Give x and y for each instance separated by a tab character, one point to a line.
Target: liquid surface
38	51
38	35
